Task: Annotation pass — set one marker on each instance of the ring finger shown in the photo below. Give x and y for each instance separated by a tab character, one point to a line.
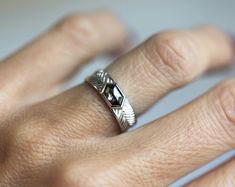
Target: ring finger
162	63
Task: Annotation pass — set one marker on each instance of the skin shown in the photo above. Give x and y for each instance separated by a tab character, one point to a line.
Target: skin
55	138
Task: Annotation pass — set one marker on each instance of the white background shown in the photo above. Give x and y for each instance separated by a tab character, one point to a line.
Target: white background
22	20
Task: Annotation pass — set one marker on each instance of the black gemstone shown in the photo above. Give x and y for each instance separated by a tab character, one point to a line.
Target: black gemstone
113	94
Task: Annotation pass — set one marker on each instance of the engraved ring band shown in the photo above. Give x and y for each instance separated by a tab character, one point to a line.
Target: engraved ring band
114	98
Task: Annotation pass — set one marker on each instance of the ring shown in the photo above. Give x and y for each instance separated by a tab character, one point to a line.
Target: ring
114	97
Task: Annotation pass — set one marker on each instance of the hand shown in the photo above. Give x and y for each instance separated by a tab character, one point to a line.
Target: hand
67	139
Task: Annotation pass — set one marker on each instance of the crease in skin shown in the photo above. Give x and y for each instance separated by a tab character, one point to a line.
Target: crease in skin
149	156
228	105
225	111
159	66
152	74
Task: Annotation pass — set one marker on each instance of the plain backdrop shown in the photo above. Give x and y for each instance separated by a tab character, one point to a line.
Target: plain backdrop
22	20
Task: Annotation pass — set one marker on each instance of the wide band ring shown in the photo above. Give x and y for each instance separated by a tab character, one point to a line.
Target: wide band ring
114	97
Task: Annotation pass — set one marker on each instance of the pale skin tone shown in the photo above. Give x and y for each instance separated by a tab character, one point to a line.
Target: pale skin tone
55	138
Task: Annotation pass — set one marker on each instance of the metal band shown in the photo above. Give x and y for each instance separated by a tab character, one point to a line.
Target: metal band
114	97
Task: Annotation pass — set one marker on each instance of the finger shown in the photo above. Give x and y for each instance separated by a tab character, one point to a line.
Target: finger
222	176
170	60
184	140
53	57
111	166
163	63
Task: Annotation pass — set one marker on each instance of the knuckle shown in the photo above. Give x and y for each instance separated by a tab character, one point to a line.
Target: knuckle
87	173
174	55
32	144
225	106
78	28
70	176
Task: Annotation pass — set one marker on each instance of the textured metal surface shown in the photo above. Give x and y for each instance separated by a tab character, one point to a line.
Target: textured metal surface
123	112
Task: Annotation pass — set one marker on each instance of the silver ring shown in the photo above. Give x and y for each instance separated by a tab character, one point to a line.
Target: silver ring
114	97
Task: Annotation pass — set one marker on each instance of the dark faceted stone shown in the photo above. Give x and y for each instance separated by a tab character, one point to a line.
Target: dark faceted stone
113	94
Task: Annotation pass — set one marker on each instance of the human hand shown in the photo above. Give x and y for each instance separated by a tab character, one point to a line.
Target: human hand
67	139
